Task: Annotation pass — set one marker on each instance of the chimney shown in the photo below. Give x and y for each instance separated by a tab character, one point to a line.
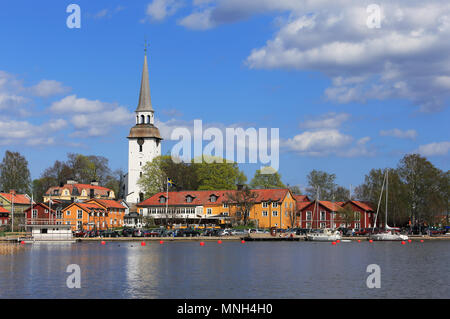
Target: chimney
239	187
71	182
12	191
94	183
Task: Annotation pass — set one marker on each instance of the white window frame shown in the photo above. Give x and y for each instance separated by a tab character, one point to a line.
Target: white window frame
274	213
265	213
274	204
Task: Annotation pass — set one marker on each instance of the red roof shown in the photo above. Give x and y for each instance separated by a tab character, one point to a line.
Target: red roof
108	203
301	198
3	210
362	205
203	197
101	190
40	204
17	198
327	204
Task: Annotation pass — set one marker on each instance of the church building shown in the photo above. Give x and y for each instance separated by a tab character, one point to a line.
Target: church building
144	140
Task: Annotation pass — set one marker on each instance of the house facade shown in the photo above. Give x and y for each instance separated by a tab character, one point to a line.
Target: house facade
271	208
4	216
364	214
115	211
86	216
76	192
38	213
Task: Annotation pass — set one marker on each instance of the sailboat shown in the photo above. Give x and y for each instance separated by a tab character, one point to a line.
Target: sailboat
324	234
389	233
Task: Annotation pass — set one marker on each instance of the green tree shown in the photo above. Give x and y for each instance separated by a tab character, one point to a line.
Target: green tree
268	178
153	179
295	189
322	181
215	173
14	173
346	215
340	194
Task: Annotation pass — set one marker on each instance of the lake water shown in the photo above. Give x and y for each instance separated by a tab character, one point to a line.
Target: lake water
228	270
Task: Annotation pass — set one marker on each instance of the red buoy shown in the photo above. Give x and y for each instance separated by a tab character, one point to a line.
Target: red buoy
359	240
338	241
202	243
161	242
421	240
103	243
243	241
370	241
219	241
143	243
22	242
409	240
333	243
403	242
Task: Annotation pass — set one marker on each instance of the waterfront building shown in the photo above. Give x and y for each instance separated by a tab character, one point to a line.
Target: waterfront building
4	216
73	191
271	208
20	202
364	214
114	209
39	212
143	141
326	214
86	216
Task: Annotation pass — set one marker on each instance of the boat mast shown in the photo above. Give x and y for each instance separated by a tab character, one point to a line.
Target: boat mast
387	192
379	202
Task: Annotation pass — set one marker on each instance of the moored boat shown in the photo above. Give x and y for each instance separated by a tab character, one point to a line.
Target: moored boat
324	235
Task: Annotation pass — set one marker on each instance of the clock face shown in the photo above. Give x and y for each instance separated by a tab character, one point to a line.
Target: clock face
140	141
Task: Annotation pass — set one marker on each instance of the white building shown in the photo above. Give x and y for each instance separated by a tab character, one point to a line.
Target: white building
144	141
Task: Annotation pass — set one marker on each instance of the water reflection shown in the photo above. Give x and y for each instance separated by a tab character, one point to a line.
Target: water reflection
229	270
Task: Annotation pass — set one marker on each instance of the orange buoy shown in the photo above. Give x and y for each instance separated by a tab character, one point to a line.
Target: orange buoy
359	240
421	240
22	242
202	243
333	243
143	243
403	242
103	242
161	242
219	241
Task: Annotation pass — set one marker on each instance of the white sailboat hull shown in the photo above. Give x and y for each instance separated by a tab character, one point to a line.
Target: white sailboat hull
325	235
388	237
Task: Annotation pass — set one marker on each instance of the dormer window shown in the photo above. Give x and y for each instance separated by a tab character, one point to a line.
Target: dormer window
189	199
213	198
162	199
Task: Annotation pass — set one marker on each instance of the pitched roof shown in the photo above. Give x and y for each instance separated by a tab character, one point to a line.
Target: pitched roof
86	206
40	204
17	198
302	205
362	205
100	190
3	210
203	197
108	203
301	198
145	102
327	204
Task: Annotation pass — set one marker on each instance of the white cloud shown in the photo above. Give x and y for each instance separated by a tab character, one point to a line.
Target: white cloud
434	149
158	10
46	88
329	120
72	104
24	132
408	134
406	58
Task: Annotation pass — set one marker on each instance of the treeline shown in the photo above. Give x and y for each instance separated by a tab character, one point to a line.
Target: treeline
15	174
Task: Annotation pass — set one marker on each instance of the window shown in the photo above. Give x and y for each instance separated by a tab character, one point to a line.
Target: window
323	225
79	224
80	214
265	205
162	199
238	214
323	215
274	213
140	148
274	204
209	211
357	216
34	213
212	198
264	213
189	199
68	213
225	213
225	205
46	211
308	225
285	205
308	215
357	225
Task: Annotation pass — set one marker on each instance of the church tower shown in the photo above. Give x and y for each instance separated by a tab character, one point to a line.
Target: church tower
144	140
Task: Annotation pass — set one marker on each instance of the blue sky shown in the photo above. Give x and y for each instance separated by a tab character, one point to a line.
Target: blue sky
346	98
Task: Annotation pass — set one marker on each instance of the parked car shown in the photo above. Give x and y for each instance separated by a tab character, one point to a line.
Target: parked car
110	233
138	233
301	231
93	233
127	232
80	233
188	233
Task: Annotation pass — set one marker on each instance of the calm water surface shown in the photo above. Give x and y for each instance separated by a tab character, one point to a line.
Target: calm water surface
230	270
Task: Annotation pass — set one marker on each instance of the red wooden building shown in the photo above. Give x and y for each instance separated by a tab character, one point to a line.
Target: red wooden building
40	212
364	214
322	214
4	216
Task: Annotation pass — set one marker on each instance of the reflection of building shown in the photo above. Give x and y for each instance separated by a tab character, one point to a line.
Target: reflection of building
272	208
75	192
143	141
